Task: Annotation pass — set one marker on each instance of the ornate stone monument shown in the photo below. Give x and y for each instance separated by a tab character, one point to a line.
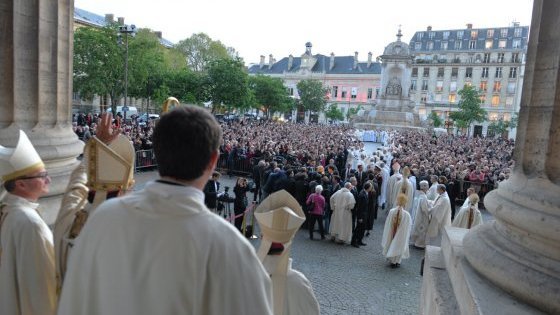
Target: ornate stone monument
393	108
36	86
512	265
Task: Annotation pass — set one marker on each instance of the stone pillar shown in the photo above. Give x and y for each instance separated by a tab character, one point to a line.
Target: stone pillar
36	85
520	251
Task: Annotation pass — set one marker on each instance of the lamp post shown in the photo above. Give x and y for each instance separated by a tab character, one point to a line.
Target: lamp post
126	30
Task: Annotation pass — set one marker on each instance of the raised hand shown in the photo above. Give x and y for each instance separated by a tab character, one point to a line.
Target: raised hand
105	131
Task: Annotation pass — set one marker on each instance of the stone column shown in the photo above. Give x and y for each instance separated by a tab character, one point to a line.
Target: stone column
520	251
36	85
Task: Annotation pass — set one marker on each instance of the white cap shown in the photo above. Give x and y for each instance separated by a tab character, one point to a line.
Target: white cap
19	161
279	217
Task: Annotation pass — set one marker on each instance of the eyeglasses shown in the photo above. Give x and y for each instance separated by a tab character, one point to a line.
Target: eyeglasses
40	175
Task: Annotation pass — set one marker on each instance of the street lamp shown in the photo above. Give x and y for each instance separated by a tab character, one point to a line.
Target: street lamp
126	30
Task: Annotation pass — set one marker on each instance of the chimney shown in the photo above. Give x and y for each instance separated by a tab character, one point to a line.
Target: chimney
331	64
429	28
369	55
469	26
261	64
355	60
109	18
158	34
270	61
120	20
290	62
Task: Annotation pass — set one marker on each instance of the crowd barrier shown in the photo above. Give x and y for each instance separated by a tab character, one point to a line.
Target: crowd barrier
145	159
239	165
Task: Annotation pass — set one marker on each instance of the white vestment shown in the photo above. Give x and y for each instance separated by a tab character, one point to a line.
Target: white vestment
342	202
462	218
161	251
440	217
421	222
299	297
432	192
392	190
409	193
27	272
396	248
385	176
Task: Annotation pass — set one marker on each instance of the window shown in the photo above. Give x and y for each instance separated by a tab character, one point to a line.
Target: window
501	58
430	45
414	72
438	97
452	98
512	72
482	98
444	46
502	43
459	34
445	34
468	73
369	93
503	32
291	91
472	44
493	116
413	85
483	86
497	87
431	35
516	43
517	32
423	98
498	72
489	43
343	92
511	87
76	96
453	86
335	91
495	100
484	73
426	72
490	33
474	34
440	72
454	72
515	57
354	92
424	85
486	58
458	44
376	92
417	45
509	101
439	86
419	35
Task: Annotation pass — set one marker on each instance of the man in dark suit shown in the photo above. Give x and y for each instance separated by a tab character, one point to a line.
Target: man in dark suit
361	216
211	192
346	172
361	177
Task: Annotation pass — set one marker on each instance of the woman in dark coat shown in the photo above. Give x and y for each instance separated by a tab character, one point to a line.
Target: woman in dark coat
240	202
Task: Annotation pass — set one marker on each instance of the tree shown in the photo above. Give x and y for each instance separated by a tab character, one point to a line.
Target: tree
200	50
270	94
228	83
98	63
353	111
469	108
312	95
334	114
436	120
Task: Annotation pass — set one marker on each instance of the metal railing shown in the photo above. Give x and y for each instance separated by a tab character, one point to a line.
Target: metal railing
145	159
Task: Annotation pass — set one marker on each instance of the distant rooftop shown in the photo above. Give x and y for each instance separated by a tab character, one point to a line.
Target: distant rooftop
342	65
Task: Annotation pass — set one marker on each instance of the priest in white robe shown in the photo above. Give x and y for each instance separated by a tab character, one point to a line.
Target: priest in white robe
342	202
440	216
396	233
422	220
432	192
469	216
392	190
385	176
404	186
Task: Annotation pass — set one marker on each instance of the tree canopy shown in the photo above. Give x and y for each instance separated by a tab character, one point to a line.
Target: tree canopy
228	83
436	120
312	95
334	114
469	108
270	94
200	50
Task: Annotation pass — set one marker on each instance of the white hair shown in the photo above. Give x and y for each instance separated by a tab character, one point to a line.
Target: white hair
318	189
424	185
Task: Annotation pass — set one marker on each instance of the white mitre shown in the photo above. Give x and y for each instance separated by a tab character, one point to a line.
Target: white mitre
19	161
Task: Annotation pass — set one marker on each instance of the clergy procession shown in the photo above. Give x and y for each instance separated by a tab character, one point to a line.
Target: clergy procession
163	249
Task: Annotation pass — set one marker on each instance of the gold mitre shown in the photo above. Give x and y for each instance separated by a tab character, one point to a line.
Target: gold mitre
19	161
168	102
279	217
110	167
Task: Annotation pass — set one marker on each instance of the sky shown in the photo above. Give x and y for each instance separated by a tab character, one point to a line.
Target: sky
281	28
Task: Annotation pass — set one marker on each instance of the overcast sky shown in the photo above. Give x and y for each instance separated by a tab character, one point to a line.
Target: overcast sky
281	28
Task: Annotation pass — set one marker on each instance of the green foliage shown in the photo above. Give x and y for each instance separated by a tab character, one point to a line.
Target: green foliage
514	121
436	120
312	95
270	94
200	50
469	108
353	111
334	114
228	83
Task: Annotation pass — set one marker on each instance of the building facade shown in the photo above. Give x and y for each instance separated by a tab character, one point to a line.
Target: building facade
350	83
490	59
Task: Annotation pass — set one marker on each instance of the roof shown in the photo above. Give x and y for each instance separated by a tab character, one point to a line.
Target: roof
342	65
92	19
